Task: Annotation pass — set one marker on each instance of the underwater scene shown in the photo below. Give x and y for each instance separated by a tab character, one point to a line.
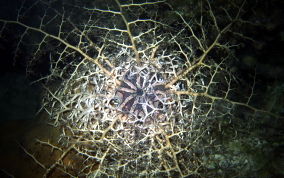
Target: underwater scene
142	88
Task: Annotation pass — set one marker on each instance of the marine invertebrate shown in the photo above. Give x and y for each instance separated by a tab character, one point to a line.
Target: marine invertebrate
140	91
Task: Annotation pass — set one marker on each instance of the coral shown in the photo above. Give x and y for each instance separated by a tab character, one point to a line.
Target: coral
140	90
